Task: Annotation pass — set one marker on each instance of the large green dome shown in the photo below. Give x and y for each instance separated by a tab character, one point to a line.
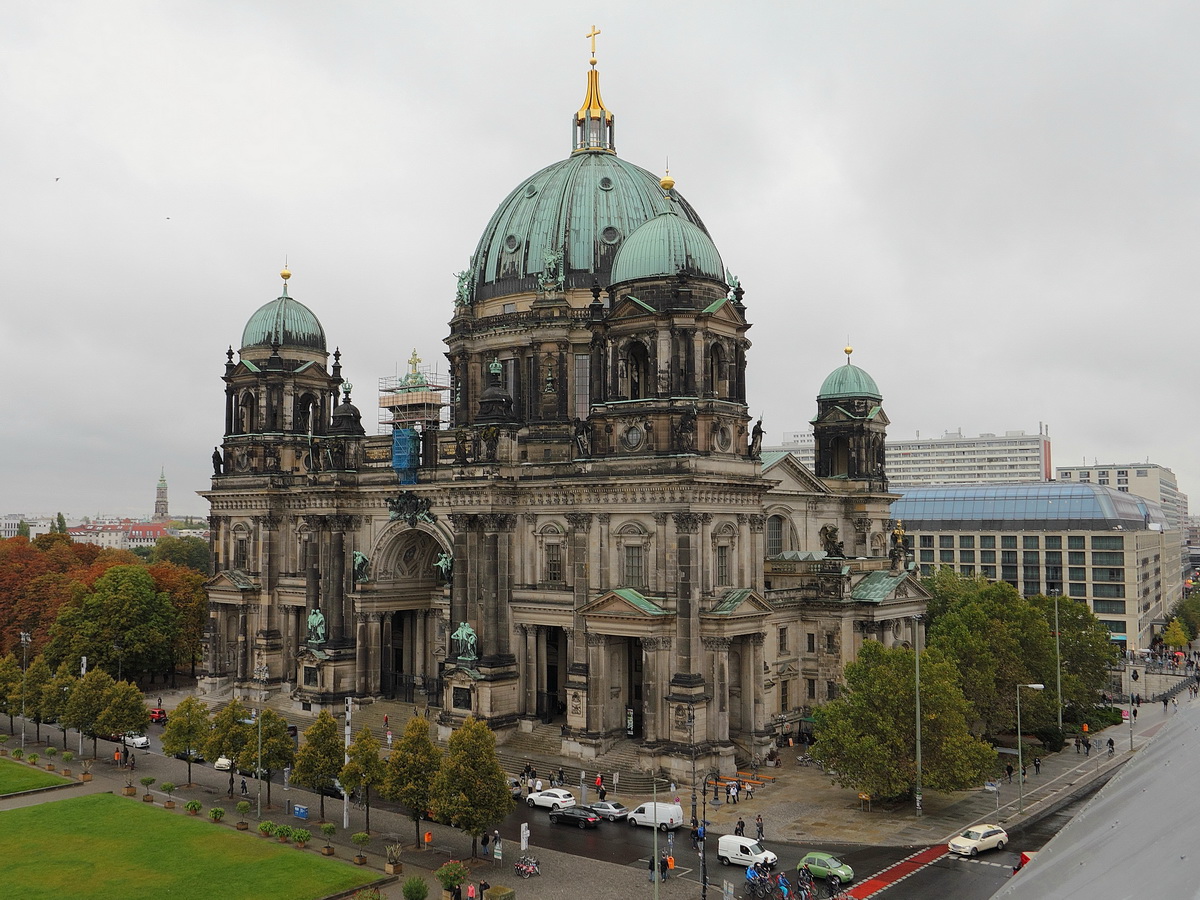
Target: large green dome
286	322
665	246
847	382
586	205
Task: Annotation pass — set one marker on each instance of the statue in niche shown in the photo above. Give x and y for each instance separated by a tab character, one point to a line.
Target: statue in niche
444	564
583	437
685	431
464	641
491	440
362	567
316	626
217	460
756	438
462	294
830	543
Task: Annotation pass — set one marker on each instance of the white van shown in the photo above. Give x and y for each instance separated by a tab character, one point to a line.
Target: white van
662	815
732	848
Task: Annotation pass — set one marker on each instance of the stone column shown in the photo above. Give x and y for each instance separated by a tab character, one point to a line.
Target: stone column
525	634
597	646
540	664
578	549
243	646
312	568
361	654
421	633
757	522
687	525
719	648
753	689
375	651
464	570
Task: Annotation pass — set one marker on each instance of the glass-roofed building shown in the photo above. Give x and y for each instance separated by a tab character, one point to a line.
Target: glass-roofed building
1112	550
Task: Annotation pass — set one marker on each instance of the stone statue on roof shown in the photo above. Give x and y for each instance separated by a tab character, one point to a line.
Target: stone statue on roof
466	282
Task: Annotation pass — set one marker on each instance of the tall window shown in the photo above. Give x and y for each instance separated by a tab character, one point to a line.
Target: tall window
783	639
583	385
723	579
774	535
634	566
554	571
785	702
632	543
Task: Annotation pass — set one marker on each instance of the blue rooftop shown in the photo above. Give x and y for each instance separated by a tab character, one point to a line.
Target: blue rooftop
1046	506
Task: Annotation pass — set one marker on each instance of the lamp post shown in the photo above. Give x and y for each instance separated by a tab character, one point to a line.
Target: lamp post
1020	754
118	646
917	644
1054	592
26	640
261	674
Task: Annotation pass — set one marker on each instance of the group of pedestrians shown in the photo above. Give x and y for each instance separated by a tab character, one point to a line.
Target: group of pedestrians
663	865
735	788
740	828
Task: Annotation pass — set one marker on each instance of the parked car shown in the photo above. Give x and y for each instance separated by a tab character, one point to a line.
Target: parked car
822	864
657	815
977	838
609	809
732	848
555	798
197	757
575	815
158	716
138	741
223	764
514	788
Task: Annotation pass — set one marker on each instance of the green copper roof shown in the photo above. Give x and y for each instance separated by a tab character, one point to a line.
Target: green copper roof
849	381
586	205
731	601
645	604
877	587
664	246
284	321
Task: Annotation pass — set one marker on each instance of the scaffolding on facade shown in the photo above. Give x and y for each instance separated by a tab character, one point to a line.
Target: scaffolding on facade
418	399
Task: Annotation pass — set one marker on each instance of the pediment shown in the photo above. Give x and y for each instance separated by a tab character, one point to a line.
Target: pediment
740	603
625	603
792	476
231	580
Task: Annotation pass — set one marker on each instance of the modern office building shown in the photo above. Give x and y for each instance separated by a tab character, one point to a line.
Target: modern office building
952	458
1149	480
1114	551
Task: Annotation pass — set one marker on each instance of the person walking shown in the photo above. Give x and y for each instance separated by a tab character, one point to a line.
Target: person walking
734	790
1135	714
749	790
663	866
602	793
484	841
245	790
1037	765
740	828
758	826
1008	771
653	866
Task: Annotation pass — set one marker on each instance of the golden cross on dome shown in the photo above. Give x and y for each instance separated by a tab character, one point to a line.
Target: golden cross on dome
414	361
592	36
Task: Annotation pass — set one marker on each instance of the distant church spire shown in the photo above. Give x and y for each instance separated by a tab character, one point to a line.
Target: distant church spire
593	124
160	499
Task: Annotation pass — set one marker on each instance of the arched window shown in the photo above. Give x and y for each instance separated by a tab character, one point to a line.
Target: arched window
724	540
241	546
304	421
246	413
633	545
717	374
552	543
775	528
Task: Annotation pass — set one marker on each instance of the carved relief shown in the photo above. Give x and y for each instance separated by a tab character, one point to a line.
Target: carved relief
756	523
687	523
580	521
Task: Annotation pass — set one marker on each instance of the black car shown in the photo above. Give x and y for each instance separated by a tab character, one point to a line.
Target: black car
196	756
575	815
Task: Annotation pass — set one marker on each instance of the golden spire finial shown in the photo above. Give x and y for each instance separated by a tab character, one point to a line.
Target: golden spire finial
285	274
667	182
848	350
591	35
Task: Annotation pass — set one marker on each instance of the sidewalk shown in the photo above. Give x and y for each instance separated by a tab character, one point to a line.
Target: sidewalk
801	809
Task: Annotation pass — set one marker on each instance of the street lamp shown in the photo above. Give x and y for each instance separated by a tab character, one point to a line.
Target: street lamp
1020	755
261	674
1054	592
917	644
26	640
118	646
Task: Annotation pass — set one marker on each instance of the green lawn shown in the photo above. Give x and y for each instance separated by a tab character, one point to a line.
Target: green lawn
21	776
103	846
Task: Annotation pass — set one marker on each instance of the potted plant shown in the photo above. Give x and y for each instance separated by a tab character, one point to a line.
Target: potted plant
129	790
328	829
243	808
360	839
3	741
168	789
284	833
394	865
216	814
266	829
414	888
301	836
32	759
146	782
451	875
17	753
51	750
87	770
192	807
67	756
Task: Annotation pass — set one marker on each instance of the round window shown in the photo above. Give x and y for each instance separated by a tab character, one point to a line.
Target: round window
633	437
511	243
606	183
723	438
610	235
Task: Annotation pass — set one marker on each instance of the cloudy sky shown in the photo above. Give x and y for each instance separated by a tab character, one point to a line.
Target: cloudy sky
995	202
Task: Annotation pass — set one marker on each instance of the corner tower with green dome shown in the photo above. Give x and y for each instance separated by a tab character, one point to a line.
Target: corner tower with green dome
850	427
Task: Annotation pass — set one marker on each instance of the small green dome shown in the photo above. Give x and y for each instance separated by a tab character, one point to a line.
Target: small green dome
849	381
286	322
587	205
666	245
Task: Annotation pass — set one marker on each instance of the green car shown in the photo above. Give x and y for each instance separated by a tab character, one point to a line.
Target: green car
823	864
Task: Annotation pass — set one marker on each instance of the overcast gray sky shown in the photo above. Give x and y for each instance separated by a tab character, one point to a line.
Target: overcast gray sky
995	202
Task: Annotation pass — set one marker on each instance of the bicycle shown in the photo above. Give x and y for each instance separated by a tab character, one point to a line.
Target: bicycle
833	886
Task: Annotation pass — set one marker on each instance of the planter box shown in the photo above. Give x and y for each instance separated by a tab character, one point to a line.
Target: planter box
147	798
168	804
66	773
86	776
128	791
242	826
327	851
394	868
360	860
49	767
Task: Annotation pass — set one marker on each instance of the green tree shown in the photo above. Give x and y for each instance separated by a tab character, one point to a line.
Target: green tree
319	759
869	733
124	712
37	676
1086	650
186	551
278	748
411	769
60	524
123	625
363	769
56	695
1188	611
230	732
10	683
187	731
87	702
470	788
23	529
1175	635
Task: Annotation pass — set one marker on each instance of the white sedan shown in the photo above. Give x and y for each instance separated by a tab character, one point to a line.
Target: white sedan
137	741
554	798
223	764
978	838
